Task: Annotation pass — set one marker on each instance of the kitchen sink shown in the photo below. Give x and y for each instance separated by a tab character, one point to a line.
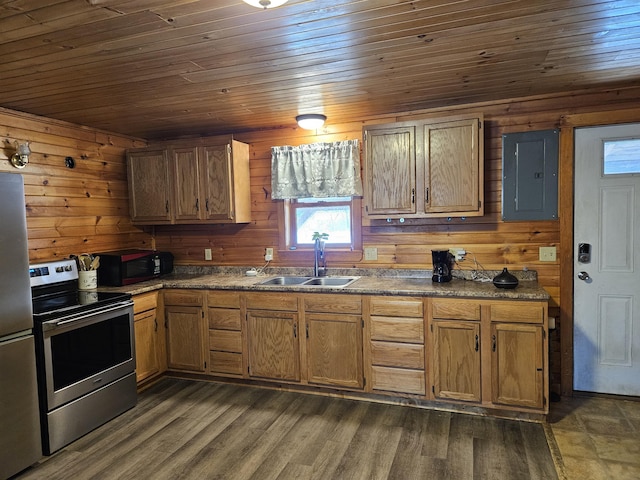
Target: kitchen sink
310	281
285	281
331	281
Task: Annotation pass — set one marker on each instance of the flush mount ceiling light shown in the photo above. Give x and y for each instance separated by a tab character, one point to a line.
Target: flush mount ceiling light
265	3
311	121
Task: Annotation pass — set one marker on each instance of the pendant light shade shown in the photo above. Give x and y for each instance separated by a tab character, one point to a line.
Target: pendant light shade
311	121
265	3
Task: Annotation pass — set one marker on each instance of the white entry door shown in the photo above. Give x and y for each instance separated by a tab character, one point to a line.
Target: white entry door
607	284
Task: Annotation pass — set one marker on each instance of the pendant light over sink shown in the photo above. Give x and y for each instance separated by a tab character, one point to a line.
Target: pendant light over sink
311	121
265	3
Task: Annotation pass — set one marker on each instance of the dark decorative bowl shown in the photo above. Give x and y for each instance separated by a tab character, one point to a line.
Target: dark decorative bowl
505	280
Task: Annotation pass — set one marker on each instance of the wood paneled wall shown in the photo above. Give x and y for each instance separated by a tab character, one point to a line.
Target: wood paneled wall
71	211
492	242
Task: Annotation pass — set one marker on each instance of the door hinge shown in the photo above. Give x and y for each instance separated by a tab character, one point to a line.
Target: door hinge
362	322
205	365
431	326
364	382
479	204
433	389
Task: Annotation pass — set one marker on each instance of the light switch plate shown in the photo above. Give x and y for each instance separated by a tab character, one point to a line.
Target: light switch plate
370	253
547	254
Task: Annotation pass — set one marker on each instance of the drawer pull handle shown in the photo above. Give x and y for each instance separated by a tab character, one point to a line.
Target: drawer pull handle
493	346
477	343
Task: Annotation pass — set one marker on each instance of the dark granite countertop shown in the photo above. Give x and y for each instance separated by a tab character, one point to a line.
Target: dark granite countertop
370	281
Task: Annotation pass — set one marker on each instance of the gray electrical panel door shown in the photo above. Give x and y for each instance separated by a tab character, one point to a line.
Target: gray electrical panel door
530	175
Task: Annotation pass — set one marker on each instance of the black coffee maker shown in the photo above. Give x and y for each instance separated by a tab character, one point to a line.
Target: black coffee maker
442	264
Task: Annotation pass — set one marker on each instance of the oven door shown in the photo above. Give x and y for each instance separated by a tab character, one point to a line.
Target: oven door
87	351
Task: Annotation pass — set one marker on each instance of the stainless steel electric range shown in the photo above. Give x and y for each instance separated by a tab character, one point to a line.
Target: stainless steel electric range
84	353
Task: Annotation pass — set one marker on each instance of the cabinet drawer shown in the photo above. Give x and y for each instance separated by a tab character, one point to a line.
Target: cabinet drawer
224	318
397	329
222	298
225	362
396	306
520	312
182	298
455	309
272	301
225	340
399	380
145	301
332	303
392	354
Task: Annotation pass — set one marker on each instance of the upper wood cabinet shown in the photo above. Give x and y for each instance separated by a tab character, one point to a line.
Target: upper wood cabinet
150	183
424	168
190	184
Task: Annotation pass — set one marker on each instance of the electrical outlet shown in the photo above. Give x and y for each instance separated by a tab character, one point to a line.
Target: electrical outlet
547	254
268	254
370	253
458	253
207	254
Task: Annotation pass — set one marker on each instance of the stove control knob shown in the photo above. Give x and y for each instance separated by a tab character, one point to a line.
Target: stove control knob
59	270
67	268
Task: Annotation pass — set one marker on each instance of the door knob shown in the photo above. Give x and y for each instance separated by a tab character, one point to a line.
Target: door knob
584	276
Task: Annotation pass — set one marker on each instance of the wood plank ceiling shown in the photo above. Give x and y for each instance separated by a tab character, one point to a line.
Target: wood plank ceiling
165	68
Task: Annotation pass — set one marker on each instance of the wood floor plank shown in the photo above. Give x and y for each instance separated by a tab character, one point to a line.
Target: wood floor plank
184	429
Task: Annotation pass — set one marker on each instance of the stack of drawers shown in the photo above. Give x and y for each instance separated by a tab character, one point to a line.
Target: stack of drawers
397	344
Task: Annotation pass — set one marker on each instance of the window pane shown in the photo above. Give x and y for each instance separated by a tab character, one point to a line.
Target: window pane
334	220
621	156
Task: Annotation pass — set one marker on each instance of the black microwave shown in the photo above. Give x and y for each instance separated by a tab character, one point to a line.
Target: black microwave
125	267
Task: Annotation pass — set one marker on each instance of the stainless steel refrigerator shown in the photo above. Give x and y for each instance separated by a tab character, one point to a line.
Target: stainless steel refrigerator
20	441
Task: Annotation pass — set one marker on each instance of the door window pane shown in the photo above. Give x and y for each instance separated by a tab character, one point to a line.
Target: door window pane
621	156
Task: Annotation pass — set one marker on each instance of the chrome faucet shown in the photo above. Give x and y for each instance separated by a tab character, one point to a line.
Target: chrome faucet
319	260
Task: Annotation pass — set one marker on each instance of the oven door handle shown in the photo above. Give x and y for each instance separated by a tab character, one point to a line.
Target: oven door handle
89	316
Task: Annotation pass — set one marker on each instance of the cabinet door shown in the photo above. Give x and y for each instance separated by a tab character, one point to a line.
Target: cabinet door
149	187
147	358
274	349
185	338
334	350
456	360
517	364
390	170
217	182
453	178
186	181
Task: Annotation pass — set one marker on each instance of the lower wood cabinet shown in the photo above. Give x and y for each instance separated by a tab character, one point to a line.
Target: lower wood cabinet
456	360
490	352
273	336
333	332
185	323
517	364
274	346
149	337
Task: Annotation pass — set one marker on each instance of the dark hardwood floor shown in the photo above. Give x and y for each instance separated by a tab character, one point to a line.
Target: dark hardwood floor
183	429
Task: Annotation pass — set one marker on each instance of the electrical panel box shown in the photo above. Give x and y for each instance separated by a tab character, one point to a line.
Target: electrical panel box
530	175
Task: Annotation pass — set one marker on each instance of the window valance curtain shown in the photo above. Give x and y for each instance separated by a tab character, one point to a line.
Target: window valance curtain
318	170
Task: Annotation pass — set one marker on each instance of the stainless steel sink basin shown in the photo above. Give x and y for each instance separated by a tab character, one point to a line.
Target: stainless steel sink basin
331	281
285	281
310	281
